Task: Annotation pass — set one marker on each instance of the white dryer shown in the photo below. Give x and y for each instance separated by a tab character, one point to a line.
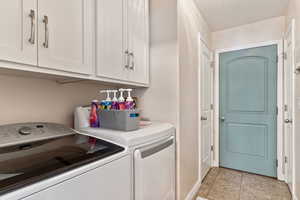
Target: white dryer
153	155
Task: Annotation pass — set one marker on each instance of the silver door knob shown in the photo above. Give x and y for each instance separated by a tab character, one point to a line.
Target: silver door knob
203	118
288	121
222	119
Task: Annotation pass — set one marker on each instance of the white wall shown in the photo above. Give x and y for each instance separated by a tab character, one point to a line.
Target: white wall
191	23
270	29
26	99
161	101
294	12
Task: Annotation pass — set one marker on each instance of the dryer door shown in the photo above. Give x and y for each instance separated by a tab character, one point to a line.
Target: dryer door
155	171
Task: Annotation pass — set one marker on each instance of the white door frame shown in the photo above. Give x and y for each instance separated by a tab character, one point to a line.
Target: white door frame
200	41
291	30
280	155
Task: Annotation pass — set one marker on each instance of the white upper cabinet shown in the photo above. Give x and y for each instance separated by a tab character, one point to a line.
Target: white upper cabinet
122	40
18	20
111	37
65	35
102	40
138	40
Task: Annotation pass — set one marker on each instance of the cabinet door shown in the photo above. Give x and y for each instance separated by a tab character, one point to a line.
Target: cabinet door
138	21
65	35
111	34
17	27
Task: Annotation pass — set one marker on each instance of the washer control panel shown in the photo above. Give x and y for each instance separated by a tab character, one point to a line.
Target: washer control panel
14	134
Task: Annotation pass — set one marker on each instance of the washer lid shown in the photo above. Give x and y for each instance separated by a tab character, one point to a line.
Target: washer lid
24	164
145	134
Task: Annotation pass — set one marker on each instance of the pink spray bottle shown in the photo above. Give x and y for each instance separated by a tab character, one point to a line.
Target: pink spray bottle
121	100
94	119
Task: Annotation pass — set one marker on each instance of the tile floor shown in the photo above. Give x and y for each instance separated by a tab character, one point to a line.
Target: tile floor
227	184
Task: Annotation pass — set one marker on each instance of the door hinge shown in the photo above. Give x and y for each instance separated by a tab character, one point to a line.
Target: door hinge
211	106
284	56
212	148
285	107
212	64
276	163
277	110
286	159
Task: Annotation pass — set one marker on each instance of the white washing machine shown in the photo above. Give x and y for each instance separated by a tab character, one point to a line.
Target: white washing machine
46	161
153	155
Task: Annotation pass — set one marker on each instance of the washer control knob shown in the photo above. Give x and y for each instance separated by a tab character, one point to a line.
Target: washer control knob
25	130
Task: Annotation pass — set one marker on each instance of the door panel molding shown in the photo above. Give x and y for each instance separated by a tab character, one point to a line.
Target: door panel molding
280	106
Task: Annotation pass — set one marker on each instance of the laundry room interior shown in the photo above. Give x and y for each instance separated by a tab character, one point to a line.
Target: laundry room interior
150	100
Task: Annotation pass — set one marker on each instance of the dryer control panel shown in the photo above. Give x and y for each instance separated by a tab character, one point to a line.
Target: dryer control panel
14	134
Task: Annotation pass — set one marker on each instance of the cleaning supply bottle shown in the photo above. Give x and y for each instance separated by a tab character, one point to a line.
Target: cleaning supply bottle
94	119
114	103
121	100
106	104
129	104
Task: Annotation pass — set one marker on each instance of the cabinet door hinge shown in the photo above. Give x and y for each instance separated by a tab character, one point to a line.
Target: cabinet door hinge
211	106
276	163
212	64
277	110
286	159
212	148
285	107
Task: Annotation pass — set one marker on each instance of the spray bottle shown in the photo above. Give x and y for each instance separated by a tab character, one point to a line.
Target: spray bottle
94	119
114	103
129	104
121	100
106	104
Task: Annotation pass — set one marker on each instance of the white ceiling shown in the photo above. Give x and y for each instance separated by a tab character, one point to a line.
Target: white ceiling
223	14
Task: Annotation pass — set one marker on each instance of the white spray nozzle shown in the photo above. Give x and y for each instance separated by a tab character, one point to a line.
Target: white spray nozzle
107	93
129	98
115	95
121	98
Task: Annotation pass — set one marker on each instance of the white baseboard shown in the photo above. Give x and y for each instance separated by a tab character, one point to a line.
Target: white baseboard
201	198
215	164
191	195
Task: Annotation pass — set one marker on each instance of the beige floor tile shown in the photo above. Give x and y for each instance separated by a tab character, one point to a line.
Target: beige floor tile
260	187
208	182
230	176
227	184
204	189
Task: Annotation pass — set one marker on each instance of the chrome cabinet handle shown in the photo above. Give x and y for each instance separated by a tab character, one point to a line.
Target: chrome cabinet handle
127	59
32	32
297	70
46	21
203	118
131	67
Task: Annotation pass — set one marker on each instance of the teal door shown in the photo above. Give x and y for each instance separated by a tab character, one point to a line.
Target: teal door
248	110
